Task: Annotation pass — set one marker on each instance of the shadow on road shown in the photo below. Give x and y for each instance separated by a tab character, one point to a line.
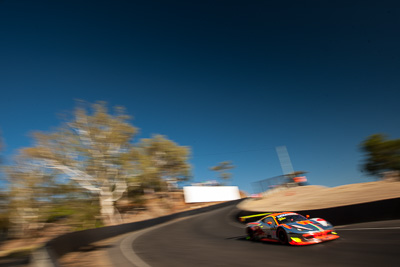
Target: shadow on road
88	248
246	238
11	262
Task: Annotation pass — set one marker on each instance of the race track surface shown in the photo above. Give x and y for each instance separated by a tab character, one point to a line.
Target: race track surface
215	239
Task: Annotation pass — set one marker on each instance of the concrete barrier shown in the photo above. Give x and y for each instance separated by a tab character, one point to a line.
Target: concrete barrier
388	209
48	255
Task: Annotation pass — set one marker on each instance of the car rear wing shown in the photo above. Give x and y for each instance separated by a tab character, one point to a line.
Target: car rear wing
253	217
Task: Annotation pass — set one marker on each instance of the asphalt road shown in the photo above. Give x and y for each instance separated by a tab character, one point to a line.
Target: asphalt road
214	239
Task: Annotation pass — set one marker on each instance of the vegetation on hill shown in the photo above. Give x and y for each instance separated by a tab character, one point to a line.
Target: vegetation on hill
382	156
83	168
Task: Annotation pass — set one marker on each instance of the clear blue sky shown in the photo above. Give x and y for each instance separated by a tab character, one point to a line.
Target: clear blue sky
231	79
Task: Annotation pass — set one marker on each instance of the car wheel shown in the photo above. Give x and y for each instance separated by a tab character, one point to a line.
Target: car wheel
282	236
251	235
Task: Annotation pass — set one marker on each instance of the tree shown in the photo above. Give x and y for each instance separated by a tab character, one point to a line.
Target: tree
27	194
37	195
162	161
4	217
222	169
1	147
382	155
4	204
94	150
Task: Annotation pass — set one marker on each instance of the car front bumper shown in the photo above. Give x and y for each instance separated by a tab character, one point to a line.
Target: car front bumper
299	240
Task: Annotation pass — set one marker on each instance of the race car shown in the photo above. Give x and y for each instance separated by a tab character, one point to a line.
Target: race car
290	228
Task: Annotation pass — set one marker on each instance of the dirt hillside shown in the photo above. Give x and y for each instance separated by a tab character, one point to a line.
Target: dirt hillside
318	197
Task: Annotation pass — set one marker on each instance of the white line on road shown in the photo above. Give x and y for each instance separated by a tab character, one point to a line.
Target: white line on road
126	243
129	253
375	228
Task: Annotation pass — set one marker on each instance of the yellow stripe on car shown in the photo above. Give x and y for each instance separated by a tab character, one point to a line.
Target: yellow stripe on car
255	215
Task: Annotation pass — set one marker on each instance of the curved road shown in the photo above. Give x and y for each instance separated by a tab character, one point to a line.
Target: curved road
215	239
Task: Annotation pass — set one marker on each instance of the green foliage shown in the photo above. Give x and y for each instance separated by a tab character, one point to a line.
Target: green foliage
161	159
4	212
85	217
222	169
59	212
90	147
4	222
136	197
382	154
1	147
80	214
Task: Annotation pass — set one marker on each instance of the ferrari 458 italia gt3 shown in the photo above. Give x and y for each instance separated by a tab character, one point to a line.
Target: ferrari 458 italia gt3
291	228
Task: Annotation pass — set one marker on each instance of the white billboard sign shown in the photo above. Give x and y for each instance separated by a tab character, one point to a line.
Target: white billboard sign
210	193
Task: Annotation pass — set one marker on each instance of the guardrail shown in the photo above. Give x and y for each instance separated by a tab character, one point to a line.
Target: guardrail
48	255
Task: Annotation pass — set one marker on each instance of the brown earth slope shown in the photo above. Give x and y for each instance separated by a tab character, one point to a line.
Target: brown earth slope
319	197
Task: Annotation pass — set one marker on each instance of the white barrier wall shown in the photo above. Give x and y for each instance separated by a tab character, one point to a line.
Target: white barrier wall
210	193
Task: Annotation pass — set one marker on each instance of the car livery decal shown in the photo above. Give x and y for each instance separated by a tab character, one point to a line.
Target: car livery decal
318	228
308	223
304	222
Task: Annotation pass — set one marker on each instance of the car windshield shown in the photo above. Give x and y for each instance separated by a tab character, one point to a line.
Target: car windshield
288	218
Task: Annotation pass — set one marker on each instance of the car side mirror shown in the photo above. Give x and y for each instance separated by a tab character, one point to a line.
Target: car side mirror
307	216
269	223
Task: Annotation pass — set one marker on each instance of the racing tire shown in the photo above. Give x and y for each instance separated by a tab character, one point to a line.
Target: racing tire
282	236
251	235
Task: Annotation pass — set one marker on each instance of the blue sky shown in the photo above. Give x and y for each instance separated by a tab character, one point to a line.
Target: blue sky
230	79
